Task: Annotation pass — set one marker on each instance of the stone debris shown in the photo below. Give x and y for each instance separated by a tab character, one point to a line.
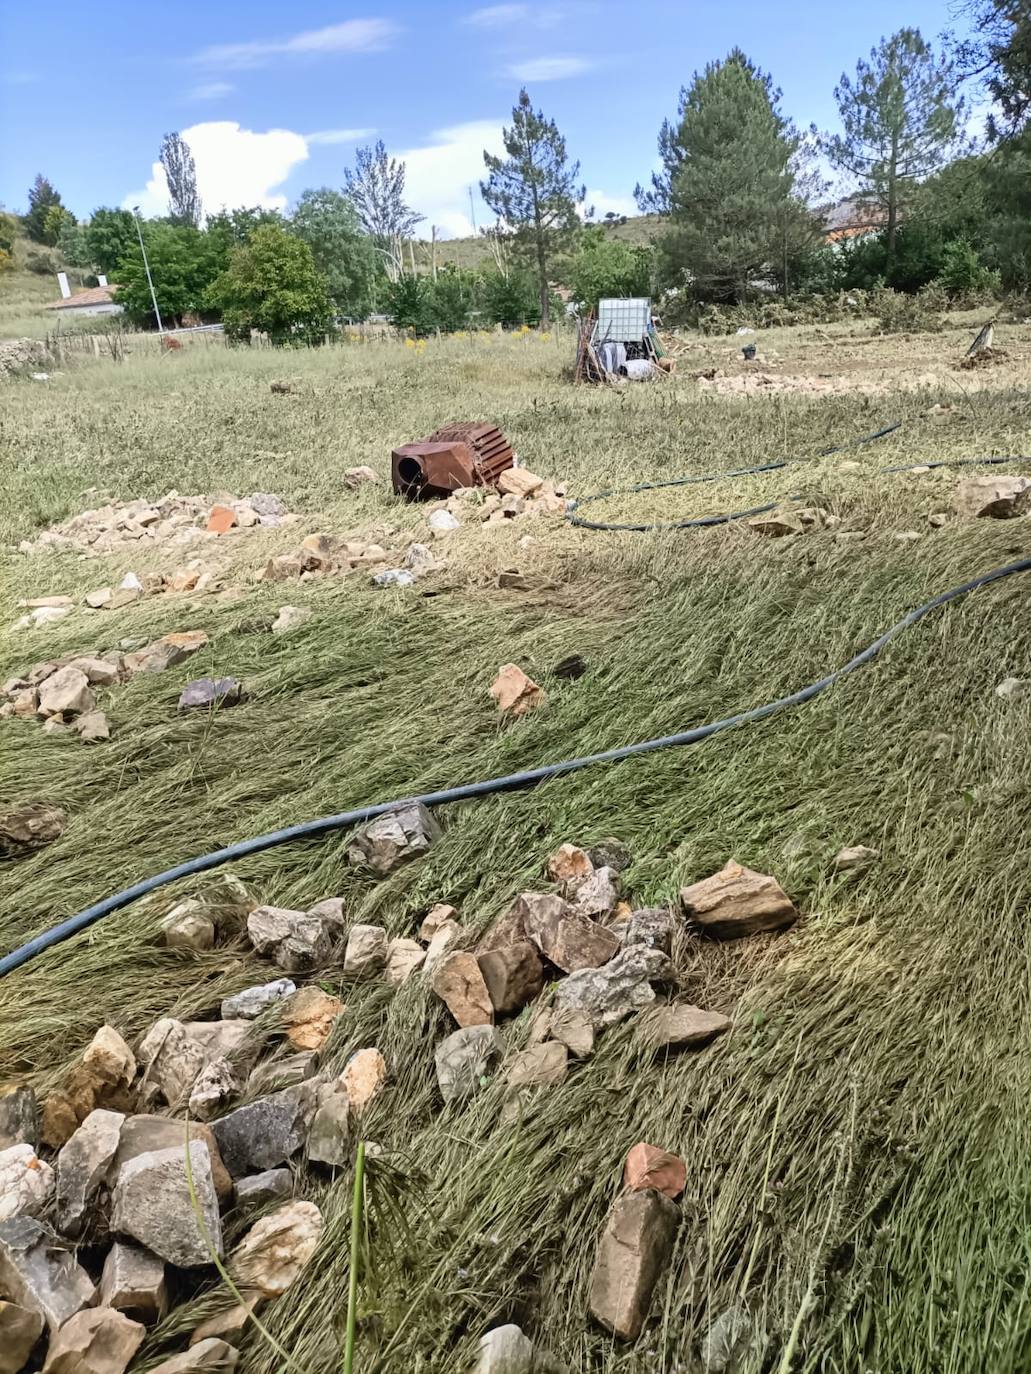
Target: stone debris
39	1274
440	915
210	691
858	856
620	988
729	1340
736	902
274	1252
173	519
513	975
296	941
20	1329
65	693
145	1134
564	936
420	560
652	926
538	1066
519	482
262	1134
133	1282
171	1059
649	1167
357	477
228	1325
568	864
1011	688
309	1016
393	839
26	1183
574	1029
103	1078
634	1249
269	1186
210	1356
362	1078
82	1165
595	895
505	1350
514	692
188	926
443	523
465	1059
438	946
19	1118
366	952
404	957
151	1203
329	1140
680	1027
291	618
776	526
98	1340
214	1088
460	985
31	826
93	727
995	498
283	1071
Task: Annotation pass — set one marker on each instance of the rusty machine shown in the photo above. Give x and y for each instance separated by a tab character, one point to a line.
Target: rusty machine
469	453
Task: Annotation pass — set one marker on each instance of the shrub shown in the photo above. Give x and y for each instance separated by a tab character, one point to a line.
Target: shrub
899	313
409	306
512	300
272	285
964	278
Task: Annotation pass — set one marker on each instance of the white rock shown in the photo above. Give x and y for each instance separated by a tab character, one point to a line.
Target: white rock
1011	688
252	1002
26	1182
290	618
505	1350
442	522
276	1249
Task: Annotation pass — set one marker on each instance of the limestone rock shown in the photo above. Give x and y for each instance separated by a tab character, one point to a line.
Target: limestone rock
573	1029
393	839
228	1325
356	477
291	618
459	984
465	1058
680	1026
26	1183
634	1248
20	1329
276	1249
729	1340
366	952
133	1282
82	1165
109	1059
776	526
623	986
98	1340
151	1203
39	1274
250	1003
858	856
404	957
296	941
514	692
309	1015
102	1078
282	1072
165	652
206	692
651	926
144	1134
188	926
215	1086
331	911
537	1066
649	1167
92	727
30	827
736	902
513	975
569	864
997	498
172	1060
519	482
363	1077
505	1350
1011	688
258	1189
441	914
597	894
566	937
441	942
263	1134
210	1356
329	1140
65	692
19	1118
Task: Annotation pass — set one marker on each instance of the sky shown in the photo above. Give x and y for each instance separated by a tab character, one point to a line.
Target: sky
273	99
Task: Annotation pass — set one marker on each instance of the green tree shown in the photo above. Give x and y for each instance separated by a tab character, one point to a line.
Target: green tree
327	222
376	189
54	222
72	243
273	286
534	191
605	267
41	197
999	52
511	298
9	230
184	262
729	184
110	236
181	176
236	226
902	119
409	304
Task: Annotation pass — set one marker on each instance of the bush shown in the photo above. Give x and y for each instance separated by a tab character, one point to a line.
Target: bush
511	301
42	262
607	267
272	286
409	306
772	314
964	278
899	313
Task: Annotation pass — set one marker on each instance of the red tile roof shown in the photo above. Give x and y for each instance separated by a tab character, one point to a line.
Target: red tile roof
93	295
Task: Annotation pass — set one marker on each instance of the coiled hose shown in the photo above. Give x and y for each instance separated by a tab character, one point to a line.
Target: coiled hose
510	782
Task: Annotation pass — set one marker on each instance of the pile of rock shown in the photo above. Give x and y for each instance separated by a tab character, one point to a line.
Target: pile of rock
320	554
519	494
62	691
173	519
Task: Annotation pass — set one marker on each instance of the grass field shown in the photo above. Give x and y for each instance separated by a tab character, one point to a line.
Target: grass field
858	1171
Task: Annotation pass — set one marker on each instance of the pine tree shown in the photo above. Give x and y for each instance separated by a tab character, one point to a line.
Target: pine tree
533	191
901	119
181	175
728	183
42	197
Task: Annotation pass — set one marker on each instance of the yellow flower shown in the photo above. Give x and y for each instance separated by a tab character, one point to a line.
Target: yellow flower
409	343
545	336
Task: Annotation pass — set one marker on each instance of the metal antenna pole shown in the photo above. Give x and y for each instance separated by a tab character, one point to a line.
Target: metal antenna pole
146	268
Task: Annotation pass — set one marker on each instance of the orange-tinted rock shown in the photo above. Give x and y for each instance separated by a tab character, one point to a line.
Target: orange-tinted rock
737	901
514	692
458	982
569	863
309	1015
649	1167
221	519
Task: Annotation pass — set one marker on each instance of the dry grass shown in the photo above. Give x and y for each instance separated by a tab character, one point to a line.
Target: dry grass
856	1147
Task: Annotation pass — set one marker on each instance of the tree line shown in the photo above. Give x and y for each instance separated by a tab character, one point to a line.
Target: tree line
738	195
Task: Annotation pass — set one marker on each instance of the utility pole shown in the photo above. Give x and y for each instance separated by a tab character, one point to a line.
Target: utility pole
472	209
433	251
146	268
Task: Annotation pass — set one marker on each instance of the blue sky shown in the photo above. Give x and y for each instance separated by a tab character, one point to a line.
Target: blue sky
274	98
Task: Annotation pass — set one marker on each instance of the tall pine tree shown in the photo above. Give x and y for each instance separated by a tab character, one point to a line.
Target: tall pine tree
533	190
728	184
42	197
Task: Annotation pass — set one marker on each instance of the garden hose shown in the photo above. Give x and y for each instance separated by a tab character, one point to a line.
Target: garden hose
508	783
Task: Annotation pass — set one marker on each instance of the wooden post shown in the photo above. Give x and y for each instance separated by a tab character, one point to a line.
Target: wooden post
433	251
411	254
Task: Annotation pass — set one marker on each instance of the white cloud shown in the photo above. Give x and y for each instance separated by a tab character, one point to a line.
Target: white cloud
502	16
212	90
339	135
354	35
235	167
603	203
549	68
439	175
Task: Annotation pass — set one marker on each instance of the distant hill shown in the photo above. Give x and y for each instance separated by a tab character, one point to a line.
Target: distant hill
474	252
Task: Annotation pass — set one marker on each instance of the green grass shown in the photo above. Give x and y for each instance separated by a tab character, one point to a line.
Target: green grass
857	1147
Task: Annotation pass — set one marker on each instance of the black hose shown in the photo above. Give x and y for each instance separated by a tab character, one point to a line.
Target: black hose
509	783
